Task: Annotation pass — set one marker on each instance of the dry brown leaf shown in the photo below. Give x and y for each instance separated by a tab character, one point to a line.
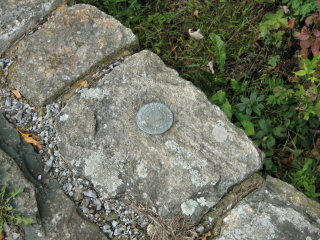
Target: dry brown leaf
30	138
1	236
84	84
208	234
196	13
16	93
291	23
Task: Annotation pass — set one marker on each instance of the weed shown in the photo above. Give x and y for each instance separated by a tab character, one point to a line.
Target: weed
301	8
7	212
269	27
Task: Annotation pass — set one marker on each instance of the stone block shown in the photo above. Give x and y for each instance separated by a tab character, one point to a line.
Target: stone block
275	211
17	16
74	42
185	170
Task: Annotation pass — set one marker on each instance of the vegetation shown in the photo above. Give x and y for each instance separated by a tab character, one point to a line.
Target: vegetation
7	212
264	70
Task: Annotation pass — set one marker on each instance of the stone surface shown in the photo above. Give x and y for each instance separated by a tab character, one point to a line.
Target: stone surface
55	214
275	211
183	171
17	16
73	43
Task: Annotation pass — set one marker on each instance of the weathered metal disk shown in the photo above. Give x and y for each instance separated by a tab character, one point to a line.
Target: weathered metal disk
154	118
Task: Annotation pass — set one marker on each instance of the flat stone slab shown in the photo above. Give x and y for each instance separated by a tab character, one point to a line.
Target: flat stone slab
275	211
185	170
17	16
73	43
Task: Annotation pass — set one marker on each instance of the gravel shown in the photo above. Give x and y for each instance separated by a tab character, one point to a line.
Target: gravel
113	216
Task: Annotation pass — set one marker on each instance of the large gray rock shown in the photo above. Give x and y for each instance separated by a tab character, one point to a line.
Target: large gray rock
17	16
74	42
55	215
275	211
183	171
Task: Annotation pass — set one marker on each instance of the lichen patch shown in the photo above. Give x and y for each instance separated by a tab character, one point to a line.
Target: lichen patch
93	164
219	132
188	207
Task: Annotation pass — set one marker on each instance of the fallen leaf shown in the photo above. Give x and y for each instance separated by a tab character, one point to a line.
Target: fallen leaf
276	90
210	65
304	52
195	34
285	9
208	234
30	138
291	23
196	13
1	236
84	84
16	93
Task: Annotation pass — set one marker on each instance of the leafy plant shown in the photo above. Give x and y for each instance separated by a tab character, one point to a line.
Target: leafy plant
273	61
219	50
272	21
301	8
308	89
270	25
309	35
221	100
267	133
253	103
305	180
7	212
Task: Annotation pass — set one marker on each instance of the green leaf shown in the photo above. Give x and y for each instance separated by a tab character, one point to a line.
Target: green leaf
1	224
253	97
227	109
220	51
16	192
248	110
273	61
235	85
268	164
219	97
300	73
270	141
248	127
256	110
245	100
317	108
278	131
20	220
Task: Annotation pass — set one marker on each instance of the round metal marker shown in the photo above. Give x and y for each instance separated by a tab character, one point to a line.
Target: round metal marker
154	118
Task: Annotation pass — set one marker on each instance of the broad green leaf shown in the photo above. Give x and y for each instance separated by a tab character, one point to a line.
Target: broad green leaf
219	97
256	110
248	127
235	85
220	51
268	164
253	97
273	61
248	110
270	141
278	131
227	109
